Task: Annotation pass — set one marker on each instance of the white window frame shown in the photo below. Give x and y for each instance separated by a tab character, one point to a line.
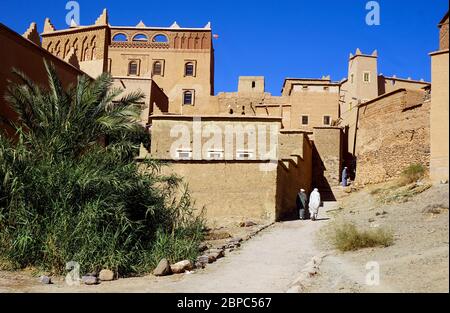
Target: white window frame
215	154
369	76
245	154
193	97
163	65
186	152
323	120
301	119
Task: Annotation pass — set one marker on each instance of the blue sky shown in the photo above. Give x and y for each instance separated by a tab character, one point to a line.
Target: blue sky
275	39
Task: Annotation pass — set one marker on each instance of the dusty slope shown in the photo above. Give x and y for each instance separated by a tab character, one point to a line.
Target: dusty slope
418	260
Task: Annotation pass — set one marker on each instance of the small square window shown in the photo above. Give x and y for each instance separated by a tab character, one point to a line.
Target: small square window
327	120
188	97
305	87
305	119
133	68
366	77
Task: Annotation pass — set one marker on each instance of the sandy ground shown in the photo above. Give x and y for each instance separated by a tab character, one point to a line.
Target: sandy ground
273	259
418	261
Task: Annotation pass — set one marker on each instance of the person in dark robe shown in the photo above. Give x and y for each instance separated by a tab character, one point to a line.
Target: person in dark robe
345	177
302	200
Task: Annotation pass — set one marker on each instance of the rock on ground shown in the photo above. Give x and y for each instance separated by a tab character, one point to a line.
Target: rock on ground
106	275
181	267
163	268
89	280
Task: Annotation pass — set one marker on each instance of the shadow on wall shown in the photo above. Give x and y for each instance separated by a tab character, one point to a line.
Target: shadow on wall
319	179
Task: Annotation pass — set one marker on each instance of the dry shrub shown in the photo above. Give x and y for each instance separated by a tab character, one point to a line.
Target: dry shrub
347	237
411	174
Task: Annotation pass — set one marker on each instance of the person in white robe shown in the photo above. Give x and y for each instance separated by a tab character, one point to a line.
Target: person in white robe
314	204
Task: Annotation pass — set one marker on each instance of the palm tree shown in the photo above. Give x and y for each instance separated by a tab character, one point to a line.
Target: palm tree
66	196
56	122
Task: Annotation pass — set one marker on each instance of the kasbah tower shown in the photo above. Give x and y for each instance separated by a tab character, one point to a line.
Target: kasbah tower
179	60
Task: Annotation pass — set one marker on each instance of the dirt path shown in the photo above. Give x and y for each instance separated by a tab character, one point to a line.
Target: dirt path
267	263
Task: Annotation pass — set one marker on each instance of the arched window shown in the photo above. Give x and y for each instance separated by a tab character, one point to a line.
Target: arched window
140	38
133	68
189	69
120	38
157	68
188	97
160	38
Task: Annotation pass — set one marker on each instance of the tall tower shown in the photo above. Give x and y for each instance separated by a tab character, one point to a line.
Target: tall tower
363	76
361	86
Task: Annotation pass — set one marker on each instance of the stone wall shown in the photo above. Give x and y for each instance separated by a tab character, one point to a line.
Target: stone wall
393	133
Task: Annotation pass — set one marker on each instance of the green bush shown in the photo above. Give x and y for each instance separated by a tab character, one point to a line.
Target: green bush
412	173
65	197
348	238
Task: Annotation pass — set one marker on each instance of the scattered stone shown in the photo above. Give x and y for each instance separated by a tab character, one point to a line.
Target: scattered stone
89	280
236	240
200	265
44	279
211	258
203	259
444	182
163	268
248	224
181	267
217	235
371	220
203	247
214	255
106	275
311	271
317	260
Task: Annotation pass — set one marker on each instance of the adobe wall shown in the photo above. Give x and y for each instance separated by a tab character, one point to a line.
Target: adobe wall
229	190
167	131
315	103
439	167
393	133
90	47
28	57
155	101
387	85
327	157
294	172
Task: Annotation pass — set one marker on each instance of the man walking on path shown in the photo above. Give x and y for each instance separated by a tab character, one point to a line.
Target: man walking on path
302	200
314	204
